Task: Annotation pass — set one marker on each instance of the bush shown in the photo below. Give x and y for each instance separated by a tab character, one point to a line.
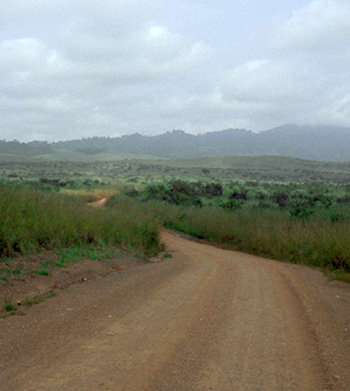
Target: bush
231	205
280	198
239	194
213	189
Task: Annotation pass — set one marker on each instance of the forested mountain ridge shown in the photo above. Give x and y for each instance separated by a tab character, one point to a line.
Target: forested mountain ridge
323	143
34	148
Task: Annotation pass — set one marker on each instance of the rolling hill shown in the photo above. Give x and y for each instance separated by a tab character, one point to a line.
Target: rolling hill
319	143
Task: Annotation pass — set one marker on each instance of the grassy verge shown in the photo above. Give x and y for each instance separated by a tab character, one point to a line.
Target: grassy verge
295	222
270	233
31	220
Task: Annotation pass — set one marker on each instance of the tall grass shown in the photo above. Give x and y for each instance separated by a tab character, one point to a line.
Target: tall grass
265	232
31	220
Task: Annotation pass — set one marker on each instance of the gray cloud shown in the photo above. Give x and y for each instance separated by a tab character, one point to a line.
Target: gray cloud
320	27
78	69
304	76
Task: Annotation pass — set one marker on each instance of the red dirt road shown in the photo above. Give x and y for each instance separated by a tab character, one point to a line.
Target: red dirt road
206	319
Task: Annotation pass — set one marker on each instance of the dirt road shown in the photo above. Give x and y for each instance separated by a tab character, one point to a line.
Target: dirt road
206	319
99	204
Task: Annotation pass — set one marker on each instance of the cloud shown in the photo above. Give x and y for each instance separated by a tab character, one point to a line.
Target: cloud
321	26
97	73
273	91
304	76
271	80
72	69
22	54
337	111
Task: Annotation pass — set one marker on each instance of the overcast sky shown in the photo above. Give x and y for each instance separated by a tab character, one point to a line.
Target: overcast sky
82	68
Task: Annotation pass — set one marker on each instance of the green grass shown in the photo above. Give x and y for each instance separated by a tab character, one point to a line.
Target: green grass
301	223
340	275
28	302
31	220
5	259
316	235
72	255
43	271
5	272
78	170
8	307
268	233
19	270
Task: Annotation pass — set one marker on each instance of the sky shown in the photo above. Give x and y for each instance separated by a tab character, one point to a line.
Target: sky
74	69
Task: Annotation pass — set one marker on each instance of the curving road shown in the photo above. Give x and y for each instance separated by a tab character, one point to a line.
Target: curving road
206	319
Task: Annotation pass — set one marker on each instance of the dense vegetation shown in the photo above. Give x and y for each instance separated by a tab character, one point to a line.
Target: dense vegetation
24	149
31	220
224	169
301	223
283	208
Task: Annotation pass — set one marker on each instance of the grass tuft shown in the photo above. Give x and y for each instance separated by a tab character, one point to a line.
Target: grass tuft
9	307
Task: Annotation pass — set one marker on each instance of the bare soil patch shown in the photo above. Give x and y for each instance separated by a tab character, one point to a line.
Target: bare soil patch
24	286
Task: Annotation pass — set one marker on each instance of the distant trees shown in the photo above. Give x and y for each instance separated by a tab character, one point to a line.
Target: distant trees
31	149
180	192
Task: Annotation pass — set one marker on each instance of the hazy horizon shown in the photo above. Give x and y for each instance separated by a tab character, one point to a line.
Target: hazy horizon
281	128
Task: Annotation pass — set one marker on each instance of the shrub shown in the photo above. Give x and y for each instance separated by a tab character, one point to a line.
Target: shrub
239	194
231	205
280	198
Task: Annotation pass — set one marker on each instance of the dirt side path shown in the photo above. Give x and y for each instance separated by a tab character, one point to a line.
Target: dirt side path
98	204
207	319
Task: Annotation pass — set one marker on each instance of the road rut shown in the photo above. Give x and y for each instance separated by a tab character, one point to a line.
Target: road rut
206	319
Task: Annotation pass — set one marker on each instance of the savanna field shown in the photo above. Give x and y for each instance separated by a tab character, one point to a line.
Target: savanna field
45	207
